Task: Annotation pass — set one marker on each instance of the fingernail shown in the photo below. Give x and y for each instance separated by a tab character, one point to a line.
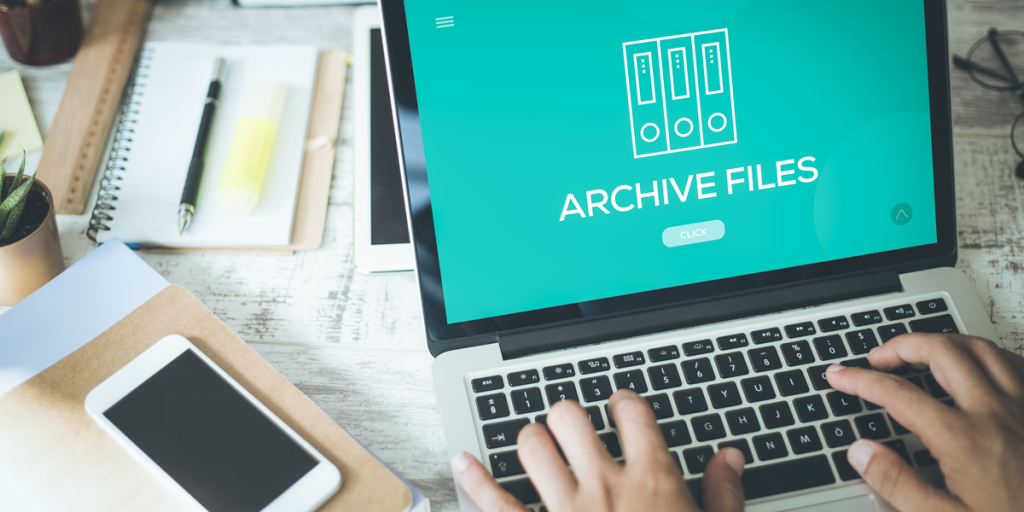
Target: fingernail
735	460
859	455
835	368
460	462
872	351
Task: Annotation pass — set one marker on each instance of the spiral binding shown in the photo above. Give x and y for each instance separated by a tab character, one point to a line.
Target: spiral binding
120	146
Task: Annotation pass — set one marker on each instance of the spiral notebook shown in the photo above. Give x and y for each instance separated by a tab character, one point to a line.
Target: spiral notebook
153	140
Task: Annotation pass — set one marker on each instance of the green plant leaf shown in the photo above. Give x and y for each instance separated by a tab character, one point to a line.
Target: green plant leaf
3	176
12	207
21	170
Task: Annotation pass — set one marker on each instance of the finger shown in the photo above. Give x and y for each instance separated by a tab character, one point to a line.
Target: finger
723	491
571	428
544	464
993	362
910	405
642	441
888	474
481	486
953	368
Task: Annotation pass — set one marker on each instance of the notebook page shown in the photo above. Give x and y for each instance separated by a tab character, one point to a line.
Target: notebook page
163	125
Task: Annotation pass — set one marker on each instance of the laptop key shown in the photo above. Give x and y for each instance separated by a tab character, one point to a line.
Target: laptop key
664	376
888	332
899	429
810	408
872	426
787	476
732	341
708	427
594	366
675	457
596	388
731	365
928	307
866	318
742	446
936	324
766	335
797	353
838	433
836	323
504	433
764	359
871	406
628	360
817	375
558	392
522	490
505	464
675	433
695	348
697	458
663	353
758	389
724	395
770	446
861	342
791	383
632	380
898	312
776	415
742	421
860	362
661	406
594	414
934	388
924	458
843	467
690	401
843	404
611	441
804	440
492	406
830	347
488	384
899	447
800	330
528	400
696	371
523	378
559	371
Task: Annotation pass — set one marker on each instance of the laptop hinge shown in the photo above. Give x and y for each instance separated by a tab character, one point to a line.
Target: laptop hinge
696	312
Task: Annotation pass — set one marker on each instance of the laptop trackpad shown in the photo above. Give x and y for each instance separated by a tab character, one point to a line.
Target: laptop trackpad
865	503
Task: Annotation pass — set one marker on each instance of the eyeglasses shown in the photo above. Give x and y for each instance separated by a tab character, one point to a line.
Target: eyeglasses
988	65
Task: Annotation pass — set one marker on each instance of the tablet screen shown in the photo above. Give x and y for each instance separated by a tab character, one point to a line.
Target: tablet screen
209	438
387	204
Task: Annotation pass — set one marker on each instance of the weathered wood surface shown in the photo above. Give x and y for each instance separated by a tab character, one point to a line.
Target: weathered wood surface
353	342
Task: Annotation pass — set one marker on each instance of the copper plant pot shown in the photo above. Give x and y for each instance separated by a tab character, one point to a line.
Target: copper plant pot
29	263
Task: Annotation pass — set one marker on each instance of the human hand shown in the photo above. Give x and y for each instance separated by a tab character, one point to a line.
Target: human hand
979	444
648	481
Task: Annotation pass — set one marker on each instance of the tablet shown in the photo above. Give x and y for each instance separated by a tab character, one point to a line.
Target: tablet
205	438
381	228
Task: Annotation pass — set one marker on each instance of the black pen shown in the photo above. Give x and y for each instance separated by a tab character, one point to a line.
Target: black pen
190	193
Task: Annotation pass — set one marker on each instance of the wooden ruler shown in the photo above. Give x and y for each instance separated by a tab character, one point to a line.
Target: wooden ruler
76	141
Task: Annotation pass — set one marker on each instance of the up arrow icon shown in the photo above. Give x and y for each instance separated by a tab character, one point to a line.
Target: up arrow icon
901	214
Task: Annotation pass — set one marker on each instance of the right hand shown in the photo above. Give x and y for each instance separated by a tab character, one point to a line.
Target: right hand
979	443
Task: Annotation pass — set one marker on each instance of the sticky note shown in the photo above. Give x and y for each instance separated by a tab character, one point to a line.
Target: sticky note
17	123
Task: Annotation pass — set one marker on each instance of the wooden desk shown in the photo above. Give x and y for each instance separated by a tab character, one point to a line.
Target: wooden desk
353	342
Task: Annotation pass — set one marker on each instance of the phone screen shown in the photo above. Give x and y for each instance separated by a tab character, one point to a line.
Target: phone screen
209	438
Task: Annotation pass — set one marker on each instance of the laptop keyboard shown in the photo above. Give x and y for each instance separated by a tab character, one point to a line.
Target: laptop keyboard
762	391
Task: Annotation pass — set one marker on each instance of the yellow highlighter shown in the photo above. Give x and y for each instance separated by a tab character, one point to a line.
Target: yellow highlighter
245	168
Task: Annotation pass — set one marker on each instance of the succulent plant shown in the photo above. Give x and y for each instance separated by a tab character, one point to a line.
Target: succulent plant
13	196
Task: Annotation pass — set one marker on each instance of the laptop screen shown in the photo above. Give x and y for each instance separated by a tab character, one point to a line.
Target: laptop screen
584	150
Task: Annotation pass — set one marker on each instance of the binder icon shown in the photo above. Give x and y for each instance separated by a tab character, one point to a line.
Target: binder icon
680	93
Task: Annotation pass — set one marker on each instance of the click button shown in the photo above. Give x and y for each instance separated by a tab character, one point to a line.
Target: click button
693	233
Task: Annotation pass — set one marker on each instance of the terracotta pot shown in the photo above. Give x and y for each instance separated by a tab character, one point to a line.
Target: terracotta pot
33	261
44	34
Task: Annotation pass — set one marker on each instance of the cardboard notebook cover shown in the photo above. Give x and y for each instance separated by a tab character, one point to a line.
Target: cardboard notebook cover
66	459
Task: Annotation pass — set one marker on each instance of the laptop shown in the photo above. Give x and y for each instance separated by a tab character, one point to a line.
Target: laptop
705	202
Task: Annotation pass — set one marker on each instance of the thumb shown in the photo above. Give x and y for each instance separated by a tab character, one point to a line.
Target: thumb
723	491
890	475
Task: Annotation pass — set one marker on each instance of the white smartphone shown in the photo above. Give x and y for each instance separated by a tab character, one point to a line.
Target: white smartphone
205	438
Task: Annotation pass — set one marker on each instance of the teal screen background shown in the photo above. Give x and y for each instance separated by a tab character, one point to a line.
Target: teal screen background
524	102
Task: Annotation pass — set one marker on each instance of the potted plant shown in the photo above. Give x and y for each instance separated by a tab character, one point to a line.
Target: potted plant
41	32
30	253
